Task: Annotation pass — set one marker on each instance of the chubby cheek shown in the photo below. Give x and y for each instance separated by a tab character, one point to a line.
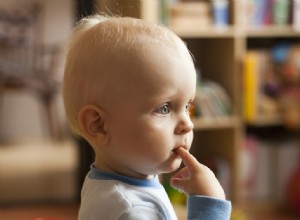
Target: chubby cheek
151	140
155	137
190	138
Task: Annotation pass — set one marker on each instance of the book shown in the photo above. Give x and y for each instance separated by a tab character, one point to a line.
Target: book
296	15
251	86
212	100
266	167
247	168
264	177
260	13
260	86
288	160
150	10
222	170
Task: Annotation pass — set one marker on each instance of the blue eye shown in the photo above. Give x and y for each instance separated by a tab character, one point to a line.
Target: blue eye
164	109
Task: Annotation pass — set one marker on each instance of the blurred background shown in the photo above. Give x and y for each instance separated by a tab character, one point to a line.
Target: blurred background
246	115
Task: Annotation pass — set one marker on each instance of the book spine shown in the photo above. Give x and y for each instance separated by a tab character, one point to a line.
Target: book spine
220	10
150	10
281	12
267	17
250	86
296	15
259	12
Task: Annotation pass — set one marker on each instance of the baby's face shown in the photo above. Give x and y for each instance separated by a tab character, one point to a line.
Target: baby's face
151	119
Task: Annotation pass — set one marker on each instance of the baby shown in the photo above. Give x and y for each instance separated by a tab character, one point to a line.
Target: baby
128	87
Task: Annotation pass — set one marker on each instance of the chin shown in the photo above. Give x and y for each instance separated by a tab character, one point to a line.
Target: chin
172	166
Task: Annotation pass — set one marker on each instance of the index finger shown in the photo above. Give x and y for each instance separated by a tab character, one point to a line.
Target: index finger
188	159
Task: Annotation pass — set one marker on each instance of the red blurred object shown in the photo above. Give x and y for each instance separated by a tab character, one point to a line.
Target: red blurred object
293	190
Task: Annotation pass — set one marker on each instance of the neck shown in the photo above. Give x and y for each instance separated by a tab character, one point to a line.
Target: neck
120	170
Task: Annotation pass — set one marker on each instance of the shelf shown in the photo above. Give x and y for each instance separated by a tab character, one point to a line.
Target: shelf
272	31
216	32
215	123
231	31
216	51
211	32
266	121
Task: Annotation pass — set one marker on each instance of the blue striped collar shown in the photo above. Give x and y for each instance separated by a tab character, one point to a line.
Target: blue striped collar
97	174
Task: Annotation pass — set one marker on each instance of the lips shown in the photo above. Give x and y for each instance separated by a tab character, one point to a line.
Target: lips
182	143
184	146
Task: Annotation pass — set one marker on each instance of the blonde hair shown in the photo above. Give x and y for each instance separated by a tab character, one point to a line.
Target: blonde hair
95	41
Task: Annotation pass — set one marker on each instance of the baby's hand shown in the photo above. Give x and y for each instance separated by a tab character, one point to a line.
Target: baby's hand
195	178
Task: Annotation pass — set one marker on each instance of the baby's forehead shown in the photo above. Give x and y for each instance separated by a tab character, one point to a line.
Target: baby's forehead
119	48
126	33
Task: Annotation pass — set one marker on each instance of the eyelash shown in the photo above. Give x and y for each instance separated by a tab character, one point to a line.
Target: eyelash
166	108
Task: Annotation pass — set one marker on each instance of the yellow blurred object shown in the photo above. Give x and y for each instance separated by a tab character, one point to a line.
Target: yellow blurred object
250	86
237	214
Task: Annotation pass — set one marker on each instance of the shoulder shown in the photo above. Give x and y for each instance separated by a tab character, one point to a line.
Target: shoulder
114	200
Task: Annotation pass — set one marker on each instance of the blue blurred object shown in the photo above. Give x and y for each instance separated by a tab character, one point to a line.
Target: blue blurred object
280	52
220	12
260	12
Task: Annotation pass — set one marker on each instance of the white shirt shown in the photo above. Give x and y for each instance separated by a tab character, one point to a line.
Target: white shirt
110	196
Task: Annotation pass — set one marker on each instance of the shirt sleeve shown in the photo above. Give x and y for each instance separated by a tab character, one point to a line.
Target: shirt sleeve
206	208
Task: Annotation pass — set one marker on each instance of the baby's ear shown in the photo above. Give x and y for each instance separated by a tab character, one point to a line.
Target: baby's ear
92	123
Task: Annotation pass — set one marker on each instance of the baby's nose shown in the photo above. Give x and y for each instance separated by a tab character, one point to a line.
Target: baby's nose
185	125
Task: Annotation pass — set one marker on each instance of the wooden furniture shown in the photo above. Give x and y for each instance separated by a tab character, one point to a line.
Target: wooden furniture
219	53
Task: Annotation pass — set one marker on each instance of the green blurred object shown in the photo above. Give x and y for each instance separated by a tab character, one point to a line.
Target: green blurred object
281	12
164	13
175	196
